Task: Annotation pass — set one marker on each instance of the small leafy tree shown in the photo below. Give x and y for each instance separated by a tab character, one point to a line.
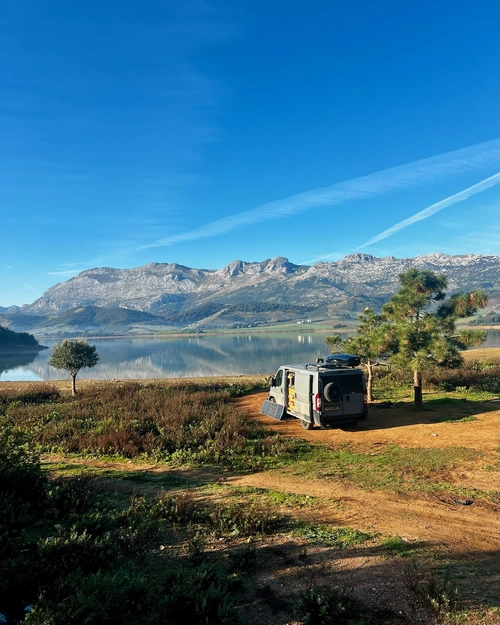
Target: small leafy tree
425	330
374	339
73	356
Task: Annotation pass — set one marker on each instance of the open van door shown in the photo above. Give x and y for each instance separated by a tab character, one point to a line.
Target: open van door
303	394
277	390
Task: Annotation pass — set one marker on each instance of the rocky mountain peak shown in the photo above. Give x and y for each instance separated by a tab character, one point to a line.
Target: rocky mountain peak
233	269
357	258
279	264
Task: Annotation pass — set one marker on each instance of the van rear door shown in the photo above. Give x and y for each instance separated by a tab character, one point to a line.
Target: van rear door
352	392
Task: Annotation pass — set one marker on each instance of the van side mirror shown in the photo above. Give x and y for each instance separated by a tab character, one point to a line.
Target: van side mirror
273	381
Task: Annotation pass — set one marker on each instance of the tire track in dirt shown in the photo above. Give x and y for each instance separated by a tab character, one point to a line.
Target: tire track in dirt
415	517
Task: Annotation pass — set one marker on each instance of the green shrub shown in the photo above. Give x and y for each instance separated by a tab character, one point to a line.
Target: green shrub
74	494
20	471
324	605
174	508
434	587
177	595
476	375
191	596
103	598
243	520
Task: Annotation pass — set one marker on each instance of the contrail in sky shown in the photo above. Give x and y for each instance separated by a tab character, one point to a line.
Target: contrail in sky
435	208
406	176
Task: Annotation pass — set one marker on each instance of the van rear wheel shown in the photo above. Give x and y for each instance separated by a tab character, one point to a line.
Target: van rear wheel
307	425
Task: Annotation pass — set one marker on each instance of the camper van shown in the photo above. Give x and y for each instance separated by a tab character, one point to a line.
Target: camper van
330	392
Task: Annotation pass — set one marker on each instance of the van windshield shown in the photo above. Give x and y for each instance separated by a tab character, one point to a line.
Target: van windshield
350	382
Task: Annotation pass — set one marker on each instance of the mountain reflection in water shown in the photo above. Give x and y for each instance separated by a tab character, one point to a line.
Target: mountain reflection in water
195	356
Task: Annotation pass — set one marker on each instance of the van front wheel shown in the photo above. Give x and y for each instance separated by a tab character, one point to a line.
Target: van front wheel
307	425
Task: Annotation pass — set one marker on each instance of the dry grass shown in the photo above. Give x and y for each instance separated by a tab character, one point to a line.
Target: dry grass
486	353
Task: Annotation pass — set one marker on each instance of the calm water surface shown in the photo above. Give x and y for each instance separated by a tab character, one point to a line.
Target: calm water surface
127	358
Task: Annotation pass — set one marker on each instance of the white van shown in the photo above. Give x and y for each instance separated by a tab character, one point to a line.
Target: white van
331	393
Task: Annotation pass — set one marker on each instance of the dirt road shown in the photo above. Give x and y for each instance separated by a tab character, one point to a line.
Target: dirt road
434	520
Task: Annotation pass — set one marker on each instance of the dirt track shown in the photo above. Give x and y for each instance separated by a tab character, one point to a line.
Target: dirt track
437	521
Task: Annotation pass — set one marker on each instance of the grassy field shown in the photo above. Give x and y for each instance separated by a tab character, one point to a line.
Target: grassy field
133	502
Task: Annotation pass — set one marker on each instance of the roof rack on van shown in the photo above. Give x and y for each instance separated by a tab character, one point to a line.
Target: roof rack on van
328	365
339	360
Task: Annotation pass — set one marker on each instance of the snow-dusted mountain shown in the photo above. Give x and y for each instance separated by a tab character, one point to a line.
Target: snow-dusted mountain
172	287
247	290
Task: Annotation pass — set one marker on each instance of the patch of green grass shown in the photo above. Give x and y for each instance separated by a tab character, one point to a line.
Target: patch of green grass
64	468
158	479
274	497
454	419
459	401
76	553
340	537
291	500
398	546
395	469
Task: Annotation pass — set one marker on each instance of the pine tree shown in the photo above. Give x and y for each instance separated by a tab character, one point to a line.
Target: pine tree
374	340
424	330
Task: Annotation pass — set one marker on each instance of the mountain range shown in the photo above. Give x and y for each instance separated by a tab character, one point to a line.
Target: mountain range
160	296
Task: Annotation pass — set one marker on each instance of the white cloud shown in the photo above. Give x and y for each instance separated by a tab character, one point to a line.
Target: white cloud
415	174
68	272
434	208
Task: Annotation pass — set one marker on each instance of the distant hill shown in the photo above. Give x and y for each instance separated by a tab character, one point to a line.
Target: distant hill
15	343
491	318
161	296
88	319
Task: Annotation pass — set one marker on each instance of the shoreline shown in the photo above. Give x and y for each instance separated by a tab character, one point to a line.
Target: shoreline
242	332
21	352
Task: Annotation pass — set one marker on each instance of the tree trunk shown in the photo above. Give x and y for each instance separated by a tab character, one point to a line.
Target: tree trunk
73	384
417	390
369	382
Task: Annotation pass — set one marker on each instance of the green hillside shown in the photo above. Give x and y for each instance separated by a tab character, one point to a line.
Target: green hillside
12	343
97	320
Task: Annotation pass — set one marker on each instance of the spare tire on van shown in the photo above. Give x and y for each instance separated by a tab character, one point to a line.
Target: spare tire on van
332	392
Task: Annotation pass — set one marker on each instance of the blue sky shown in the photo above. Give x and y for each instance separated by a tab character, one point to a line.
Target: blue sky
202	132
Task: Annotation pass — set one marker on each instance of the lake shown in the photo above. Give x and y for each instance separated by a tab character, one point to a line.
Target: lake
183	357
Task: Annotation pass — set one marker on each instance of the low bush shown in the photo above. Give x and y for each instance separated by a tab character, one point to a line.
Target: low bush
41	392
182	424
475	375
324	605
74	494
100	562
243	520
178	595
433	587
20	472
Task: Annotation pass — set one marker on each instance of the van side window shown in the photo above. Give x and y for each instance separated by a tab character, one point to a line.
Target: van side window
279	378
